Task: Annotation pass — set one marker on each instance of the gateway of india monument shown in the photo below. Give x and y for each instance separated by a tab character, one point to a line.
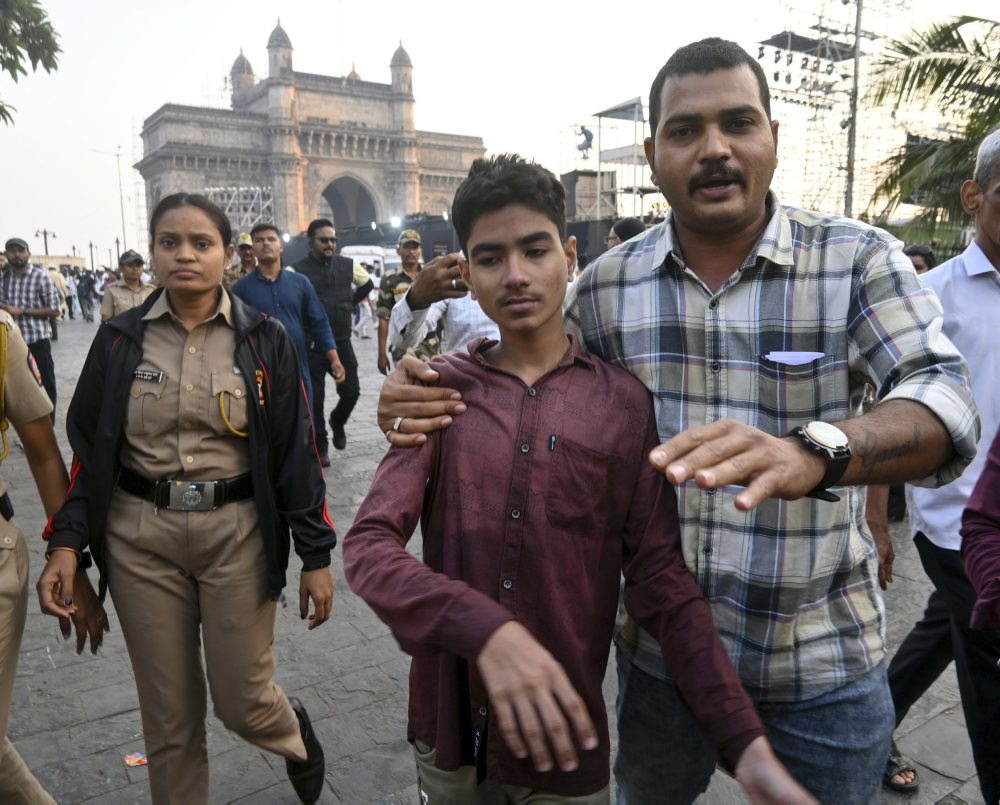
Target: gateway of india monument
297	146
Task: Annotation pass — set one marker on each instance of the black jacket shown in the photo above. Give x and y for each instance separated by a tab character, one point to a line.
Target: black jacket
288	483
332	280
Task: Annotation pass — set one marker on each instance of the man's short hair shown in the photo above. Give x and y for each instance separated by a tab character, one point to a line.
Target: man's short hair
500	181
987	160
701	58
318	224
919	250
264	228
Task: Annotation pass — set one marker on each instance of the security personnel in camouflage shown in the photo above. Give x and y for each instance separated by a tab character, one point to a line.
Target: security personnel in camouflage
391	290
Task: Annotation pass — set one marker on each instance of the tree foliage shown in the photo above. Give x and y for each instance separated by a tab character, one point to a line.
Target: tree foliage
26	36
952	70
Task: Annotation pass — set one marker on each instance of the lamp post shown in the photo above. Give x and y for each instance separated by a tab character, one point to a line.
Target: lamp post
118	248
45	238
91	245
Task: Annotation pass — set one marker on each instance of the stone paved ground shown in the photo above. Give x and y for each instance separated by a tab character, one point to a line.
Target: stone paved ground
75	717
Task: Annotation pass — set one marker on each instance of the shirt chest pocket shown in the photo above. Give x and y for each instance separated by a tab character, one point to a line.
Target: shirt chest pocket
145	406
577	500
794	393
228	407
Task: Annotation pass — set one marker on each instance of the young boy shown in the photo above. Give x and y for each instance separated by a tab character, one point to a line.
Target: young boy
532	504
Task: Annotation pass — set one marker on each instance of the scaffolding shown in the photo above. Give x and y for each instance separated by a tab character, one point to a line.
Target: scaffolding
245	206
818	70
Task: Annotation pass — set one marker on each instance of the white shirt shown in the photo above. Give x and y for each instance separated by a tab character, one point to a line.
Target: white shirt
463	320
969	289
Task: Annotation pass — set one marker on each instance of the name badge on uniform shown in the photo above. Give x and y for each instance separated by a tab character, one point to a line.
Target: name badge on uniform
149	374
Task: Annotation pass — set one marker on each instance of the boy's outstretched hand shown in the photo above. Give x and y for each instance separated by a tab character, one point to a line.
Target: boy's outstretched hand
766	781
530	693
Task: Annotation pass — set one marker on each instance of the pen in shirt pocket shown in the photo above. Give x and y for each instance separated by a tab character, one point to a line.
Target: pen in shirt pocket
552	443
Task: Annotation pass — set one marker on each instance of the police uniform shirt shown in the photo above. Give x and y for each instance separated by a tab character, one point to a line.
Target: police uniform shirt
23	396
118	298
173	426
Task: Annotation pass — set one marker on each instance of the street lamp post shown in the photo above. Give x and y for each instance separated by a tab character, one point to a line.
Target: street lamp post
118	248
45	238
91	245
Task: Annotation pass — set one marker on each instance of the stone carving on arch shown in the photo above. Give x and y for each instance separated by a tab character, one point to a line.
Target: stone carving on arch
351	201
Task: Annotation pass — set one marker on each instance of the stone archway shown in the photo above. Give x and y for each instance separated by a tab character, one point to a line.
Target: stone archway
350	202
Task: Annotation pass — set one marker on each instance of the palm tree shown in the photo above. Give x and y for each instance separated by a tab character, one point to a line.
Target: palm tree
952	68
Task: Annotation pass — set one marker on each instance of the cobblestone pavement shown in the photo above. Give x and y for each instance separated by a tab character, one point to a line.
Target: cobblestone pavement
75	717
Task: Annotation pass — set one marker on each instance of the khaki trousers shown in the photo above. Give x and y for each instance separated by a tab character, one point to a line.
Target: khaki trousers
18	785
459	787
178	578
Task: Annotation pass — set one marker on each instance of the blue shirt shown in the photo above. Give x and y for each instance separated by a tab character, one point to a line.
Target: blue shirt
292	300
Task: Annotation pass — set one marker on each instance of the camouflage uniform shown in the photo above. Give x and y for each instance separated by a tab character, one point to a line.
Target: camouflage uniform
391	290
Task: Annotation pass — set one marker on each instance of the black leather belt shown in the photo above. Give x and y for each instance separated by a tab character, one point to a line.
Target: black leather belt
188	496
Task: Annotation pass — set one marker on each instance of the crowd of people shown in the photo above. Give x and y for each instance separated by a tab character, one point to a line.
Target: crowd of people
668	453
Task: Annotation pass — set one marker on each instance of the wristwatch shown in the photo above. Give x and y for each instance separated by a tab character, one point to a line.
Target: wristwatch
830	442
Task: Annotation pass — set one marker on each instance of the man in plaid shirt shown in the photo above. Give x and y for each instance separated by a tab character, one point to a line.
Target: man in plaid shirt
30	296
757	327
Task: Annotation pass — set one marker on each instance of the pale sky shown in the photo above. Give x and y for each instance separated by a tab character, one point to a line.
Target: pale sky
519	74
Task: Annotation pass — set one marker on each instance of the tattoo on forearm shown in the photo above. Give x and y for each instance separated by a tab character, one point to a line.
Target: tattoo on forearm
872	453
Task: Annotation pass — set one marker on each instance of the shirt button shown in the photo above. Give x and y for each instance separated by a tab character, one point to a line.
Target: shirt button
7	540
189	387
482	711
532	392
192	350
507	584
715	368
238	393
137	389
525	447
186	426
515	514
707	550
710	491
190	459
713	304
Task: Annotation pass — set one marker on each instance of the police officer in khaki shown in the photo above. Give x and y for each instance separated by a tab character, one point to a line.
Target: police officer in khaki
128	292
26	406
194	471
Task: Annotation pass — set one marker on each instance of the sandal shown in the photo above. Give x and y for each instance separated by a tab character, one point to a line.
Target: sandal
896	765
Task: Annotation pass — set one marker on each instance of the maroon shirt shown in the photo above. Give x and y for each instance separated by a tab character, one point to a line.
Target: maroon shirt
981	542
532	504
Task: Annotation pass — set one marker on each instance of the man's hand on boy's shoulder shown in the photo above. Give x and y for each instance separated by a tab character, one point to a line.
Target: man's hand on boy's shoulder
530	693
420	409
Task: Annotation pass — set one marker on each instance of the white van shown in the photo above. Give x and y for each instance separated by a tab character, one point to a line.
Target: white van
383	261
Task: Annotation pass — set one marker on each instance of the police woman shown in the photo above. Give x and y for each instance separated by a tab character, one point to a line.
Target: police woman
193	460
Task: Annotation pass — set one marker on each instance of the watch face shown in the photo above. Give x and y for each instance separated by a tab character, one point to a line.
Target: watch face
827	435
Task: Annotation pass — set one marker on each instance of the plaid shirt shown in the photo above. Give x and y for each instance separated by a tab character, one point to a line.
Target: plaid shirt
34	289
793	584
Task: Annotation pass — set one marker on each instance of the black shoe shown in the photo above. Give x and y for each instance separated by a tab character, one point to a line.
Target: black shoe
339	437
306	777
324	460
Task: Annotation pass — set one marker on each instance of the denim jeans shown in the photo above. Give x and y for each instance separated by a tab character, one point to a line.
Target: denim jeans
835	745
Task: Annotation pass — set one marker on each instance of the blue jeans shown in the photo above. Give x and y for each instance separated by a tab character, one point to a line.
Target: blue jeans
835	745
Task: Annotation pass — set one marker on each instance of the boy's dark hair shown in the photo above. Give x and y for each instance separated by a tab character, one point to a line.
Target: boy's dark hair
499	181
318	224
704	57
264	228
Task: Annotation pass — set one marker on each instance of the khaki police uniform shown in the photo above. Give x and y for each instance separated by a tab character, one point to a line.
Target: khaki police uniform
24	401
118	298
180	578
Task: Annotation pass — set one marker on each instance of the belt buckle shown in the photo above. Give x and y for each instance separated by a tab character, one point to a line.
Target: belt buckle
192	496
